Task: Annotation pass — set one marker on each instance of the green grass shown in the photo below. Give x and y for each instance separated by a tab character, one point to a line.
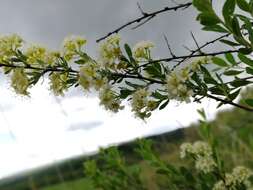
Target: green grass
80	184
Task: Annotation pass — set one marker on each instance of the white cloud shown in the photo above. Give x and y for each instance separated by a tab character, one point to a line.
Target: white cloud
40	125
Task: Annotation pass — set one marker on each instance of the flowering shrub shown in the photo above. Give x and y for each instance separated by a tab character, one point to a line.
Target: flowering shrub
202	166
122	73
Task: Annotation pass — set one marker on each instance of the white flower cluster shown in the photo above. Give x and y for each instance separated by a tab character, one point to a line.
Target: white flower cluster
202	153
176	87
58	83
8	45
20	81
89	77
239	176
110	52
39	55
142	50
176	81
109	99
141	105
195	65
72	46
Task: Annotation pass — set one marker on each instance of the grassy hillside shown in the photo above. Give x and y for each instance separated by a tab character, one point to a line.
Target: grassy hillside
234	127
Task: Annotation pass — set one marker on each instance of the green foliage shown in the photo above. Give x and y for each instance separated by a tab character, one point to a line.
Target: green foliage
115	174
205	167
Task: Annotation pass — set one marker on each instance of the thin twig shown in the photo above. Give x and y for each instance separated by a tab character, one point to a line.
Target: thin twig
206	95
197	50
229	102
45	70
194	39
188	56
141	10
137	77
168	45
144	22
146	16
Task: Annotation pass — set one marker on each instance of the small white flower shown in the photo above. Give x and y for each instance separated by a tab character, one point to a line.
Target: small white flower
89	76
230	180
20	81
140	102
195	65
241	173
202	148
58	83
109	51
185	148
184	74
219	186
71	46
8	45
109	99
176	85
205	164
142	49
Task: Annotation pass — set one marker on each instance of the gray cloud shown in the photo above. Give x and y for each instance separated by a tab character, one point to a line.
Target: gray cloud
49	21
85	126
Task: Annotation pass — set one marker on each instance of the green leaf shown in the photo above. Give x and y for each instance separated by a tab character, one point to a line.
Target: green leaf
159	96
205	71
128	50
249	70
164	104
234	95
242	4
80	61
220	62
135	86
228	10
245	51
215	28
208	19
230	58
64	63
154	70
203	5
232	72
248	26
123	58
196	78
124	93
210	80
230	43
245	59
236	30
207	76
216	90
249	102
239	83
251	7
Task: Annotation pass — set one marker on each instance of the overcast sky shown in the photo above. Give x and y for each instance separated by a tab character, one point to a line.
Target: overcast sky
43	129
